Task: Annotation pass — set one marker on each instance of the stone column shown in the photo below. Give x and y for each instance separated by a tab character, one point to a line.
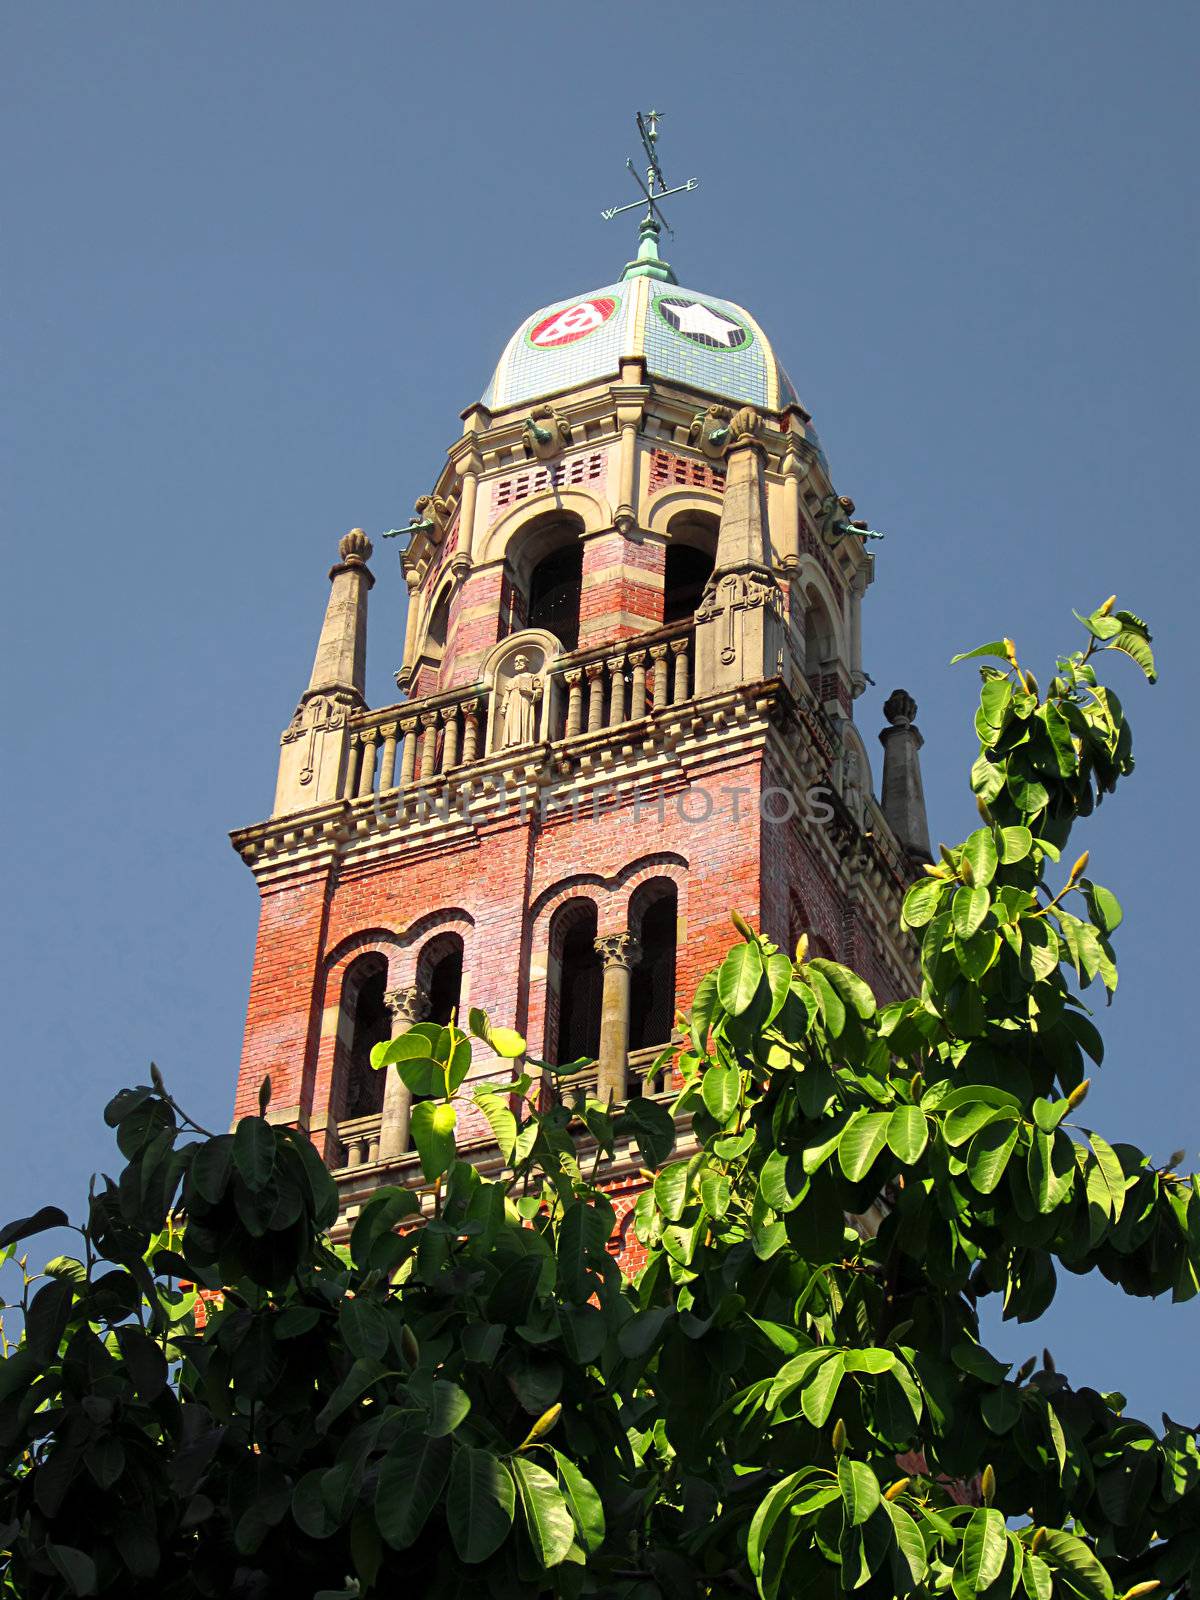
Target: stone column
387	772
902	792
410	621
858	587
574	702
450	747
470	711
658	693
637	709
679	683
595	713
366	772
619	953
429	721
616	692
408	758
351	779
407	1005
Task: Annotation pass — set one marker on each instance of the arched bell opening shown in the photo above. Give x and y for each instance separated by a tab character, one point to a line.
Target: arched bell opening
440	974
690	557
575	984
544	564
654	919
370	1024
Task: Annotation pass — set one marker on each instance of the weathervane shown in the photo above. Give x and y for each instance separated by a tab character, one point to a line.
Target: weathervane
655	187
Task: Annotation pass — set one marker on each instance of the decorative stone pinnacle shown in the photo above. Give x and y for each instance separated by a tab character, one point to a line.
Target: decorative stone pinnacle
355	548
745	426
900	708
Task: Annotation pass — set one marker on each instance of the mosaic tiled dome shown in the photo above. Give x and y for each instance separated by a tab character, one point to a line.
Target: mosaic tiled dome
696	339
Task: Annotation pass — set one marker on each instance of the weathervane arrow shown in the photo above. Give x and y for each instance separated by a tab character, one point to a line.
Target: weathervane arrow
654	187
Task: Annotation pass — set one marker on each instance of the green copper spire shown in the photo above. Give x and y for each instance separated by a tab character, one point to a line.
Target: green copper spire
648	263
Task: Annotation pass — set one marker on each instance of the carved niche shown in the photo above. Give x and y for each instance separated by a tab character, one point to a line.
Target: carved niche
518	672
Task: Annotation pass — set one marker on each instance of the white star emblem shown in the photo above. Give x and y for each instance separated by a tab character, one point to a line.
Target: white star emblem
696	319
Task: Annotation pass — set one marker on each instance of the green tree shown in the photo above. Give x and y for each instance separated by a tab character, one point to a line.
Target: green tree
791	1398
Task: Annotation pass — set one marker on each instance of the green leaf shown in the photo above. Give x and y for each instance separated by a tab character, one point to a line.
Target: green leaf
821	1390
909	1561
829	1001
980	851
1015	843
984	1548
778	971
993	702
1134	641
411	1480
965	1120
1066	1553
449	1406
47	1217
653	1129
480	1504
922	900
76	1568
506	1042
210	1168
740	975
582	1236
584	1503
997	648
849	987
548	1519
364	1327
1037	1577
715	1192
432	1124
980	1363
1104	907
254	1152
860	1489
969	907
721	1088
781	1182
989	1153
640	1334
907	1133
670	1190
861	1142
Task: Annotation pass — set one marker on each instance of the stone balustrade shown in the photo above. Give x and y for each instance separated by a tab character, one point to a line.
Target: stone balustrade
421	744
624	682
359	1139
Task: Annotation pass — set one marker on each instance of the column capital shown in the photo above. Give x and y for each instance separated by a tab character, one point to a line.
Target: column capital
619	950
658	652
594	669
429	719
678	646
408	1003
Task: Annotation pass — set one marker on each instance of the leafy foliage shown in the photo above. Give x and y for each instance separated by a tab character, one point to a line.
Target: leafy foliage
792	1396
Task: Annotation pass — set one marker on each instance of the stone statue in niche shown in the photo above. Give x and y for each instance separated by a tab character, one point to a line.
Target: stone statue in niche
520	708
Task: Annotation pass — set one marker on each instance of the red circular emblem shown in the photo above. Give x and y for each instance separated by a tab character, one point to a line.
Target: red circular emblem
573	322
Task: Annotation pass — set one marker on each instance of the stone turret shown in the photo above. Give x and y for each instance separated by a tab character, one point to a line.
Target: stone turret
903	797
739	622
314	744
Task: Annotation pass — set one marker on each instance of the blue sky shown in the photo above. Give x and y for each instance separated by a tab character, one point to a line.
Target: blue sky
258	258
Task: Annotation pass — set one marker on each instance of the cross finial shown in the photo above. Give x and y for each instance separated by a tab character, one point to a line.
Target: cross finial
654	189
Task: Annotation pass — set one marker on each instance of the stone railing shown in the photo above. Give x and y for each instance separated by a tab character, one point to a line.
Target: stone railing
643	1082
618	683
416	743
359	1139
420	743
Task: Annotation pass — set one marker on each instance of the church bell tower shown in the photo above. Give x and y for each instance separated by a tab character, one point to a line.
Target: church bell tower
625	705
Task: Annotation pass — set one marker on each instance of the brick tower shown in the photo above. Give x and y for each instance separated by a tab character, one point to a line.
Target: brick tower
631	654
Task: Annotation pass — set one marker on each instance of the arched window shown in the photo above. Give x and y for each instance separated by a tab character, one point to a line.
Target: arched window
370	1023
435	634
654	918
688	569
575	983
555	587
818	637
439	973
